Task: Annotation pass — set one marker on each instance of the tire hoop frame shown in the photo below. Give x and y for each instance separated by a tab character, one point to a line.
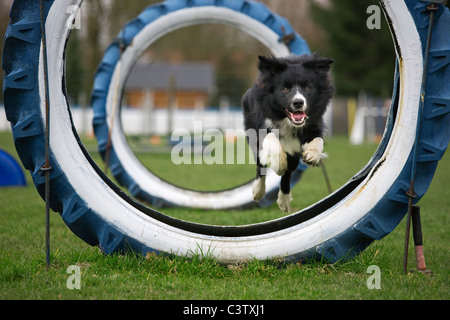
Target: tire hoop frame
365	209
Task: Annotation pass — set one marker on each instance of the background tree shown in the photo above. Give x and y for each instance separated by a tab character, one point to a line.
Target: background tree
74	68
365	58
4	19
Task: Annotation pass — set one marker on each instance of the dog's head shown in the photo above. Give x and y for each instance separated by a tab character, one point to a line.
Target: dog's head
299	87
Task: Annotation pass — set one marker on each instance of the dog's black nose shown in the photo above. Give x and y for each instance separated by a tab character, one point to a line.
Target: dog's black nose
298	103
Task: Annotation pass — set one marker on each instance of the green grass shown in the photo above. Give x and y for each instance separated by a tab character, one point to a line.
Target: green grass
23	274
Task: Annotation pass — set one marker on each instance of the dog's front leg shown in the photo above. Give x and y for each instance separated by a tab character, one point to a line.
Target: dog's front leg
273	155
259	186
284	194
313	152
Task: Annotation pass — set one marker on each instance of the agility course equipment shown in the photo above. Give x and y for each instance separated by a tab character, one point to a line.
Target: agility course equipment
366	208
11	173
153	23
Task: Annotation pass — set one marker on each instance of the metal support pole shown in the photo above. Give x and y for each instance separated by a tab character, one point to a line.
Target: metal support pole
411	193
327	179
46	168
418	241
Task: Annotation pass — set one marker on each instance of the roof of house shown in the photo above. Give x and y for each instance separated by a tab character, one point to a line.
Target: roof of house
187	76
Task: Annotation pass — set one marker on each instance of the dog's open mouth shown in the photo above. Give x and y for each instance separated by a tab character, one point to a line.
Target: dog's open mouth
297	118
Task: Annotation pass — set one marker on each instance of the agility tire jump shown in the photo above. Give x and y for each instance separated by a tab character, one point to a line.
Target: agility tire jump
153	23
366	208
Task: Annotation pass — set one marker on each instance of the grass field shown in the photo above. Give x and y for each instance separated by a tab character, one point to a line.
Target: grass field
23	274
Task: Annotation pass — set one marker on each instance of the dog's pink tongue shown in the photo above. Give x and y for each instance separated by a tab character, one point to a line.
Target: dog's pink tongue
298	115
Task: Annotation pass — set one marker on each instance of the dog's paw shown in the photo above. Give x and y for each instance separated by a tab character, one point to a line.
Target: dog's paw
313	158
273	155
259	188
312	152
284	201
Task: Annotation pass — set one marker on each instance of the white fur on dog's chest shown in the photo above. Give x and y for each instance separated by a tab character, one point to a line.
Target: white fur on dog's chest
290	145
288	139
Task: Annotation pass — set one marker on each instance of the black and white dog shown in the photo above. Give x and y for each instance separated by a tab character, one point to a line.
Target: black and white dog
288	101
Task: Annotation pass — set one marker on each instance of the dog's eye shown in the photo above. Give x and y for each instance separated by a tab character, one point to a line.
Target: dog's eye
306	88
285	89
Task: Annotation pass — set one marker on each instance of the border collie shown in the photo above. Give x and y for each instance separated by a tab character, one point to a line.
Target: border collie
287	103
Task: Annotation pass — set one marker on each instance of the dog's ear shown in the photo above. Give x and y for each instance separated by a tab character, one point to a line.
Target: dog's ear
268	66
319	64
271	65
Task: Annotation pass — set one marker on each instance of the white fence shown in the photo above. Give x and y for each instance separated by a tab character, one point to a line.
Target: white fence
140	121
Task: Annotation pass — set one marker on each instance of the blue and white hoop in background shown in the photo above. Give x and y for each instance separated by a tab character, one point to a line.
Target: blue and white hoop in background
153	23
368	207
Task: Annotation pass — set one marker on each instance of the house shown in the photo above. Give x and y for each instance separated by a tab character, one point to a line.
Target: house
191	82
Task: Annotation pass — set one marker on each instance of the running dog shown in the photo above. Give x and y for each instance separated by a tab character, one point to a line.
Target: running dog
287	102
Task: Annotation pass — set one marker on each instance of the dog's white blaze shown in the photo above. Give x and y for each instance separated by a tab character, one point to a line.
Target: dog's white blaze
299	96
